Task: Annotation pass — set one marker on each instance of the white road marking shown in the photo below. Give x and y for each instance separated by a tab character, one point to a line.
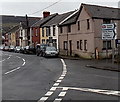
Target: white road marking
62	75
99	91
48	93
24	62
53	89
56	84
18	57
43	99
61	78
6	58
12	70
58	81
57	100
62	94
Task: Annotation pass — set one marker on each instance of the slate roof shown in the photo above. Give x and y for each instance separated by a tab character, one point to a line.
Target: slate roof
44	20
99	12
96	11
57	19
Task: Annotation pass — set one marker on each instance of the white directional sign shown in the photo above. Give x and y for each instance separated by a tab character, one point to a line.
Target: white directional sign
108	31
108	26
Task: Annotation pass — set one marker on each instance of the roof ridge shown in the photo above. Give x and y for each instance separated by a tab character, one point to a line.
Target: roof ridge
100	6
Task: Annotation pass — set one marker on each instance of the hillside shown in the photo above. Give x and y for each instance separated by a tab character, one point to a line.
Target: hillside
7	22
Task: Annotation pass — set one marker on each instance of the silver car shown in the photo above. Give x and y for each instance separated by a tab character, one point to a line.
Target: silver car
50	51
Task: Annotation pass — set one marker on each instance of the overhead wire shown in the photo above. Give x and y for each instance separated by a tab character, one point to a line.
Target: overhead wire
45	8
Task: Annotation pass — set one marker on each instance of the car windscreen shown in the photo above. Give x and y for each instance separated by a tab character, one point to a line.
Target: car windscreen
50	49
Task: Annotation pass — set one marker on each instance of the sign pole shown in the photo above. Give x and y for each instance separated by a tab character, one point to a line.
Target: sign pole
106	50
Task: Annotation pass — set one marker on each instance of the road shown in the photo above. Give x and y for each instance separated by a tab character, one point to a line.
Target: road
29	77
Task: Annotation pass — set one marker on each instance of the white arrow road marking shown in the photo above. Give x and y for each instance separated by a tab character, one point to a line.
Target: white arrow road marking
24	62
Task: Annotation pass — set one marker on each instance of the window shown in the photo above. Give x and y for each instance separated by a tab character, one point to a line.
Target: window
53	30
106	21
77	44
88	24
65	45
85	45
36	32
43	41
69	28
61	29
42	32
78	25
80	44
47	31
107	44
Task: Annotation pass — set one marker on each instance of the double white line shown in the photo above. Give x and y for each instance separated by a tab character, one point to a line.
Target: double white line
55	86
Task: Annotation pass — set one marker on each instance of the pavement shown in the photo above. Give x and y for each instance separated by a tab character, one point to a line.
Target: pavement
104	64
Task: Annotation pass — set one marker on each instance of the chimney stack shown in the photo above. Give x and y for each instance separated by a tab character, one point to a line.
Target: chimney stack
45	14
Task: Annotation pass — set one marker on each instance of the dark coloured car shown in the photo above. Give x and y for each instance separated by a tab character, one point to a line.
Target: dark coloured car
50	51
29	50
40	48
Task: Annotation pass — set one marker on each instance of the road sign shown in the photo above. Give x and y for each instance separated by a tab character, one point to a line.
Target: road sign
108	31
108	34
108	26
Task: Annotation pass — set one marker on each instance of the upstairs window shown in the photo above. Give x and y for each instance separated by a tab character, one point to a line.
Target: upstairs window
53	30
61	29
106	21
78	25
36	32
48	31
42	32
88	24
69	28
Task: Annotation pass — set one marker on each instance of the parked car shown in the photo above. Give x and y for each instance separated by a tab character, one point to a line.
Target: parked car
6	48
40	48
17	49
1	47
29	50
11	48
50	51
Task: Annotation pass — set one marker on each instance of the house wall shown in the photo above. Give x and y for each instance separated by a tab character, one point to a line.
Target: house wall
77	35
56	35
98	38
93	35
13	39
36	36
43	38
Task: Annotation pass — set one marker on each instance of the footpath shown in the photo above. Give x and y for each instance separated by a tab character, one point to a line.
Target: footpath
104	64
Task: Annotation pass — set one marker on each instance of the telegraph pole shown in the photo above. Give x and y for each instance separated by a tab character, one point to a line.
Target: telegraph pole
27	27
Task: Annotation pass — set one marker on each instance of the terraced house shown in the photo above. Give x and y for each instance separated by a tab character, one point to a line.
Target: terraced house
52	28
37	32
81	34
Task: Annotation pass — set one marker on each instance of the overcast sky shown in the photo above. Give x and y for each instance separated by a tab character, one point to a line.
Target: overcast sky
22	7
